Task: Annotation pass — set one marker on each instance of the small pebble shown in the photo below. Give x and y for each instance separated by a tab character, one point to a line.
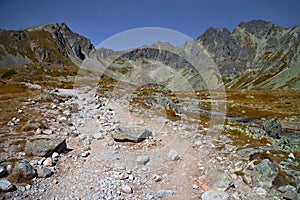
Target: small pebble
127	189
291	156
48	162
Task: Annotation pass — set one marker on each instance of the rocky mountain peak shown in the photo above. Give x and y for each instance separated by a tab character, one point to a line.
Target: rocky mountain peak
260	28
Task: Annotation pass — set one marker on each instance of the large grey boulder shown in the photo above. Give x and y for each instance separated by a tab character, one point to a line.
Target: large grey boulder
6	186
264	174
218	180
131	134
45	147
23	170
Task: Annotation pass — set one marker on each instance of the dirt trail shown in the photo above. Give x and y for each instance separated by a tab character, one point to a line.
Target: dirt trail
97	167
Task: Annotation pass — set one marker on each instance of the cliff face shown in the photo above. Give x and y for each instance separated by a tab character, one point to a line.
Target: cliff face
255	55
52	43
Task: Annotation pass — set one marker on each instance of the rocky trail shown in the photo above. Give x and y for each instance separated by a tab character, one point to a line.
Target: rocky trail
118	151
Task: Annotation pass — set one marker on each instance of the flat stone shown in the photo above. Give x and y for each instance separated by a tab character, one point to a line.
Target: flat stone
44	173
215	195
218	180
6	186
142	160
264	174
164	193
131	134
45	147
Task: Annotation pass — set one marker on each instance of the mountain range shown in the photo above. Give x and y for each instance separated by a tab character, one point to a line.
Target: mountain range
255	55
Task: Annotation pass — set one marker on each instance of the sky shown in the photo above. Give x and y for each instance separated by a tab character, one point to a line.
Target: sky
106	21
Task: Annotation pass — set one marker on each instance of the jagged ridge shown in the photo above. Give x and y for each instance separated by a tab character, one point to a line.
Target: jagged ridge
255	55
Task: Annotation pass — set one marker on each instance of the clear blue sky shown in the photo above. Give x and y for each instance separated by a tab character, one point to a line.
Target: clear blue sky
101	19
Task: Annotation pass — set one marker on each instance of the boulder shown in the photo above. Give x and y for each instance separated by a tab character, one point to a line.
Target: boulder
3	172
44	173
264	174
215	195
23	170
6	186
273	128
131	134
217	180
45	147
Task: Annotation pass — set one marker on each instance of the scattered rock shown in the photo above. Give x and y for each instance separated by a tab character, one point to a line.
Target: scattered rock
98	136
173	155
289	192
38	131
247	179
215	195
3	172
123	176
273	128
247	152
157	178
126	189
30	126
27	187
142	160
85	154
48	162
6	186
21	188
164	193
44	173
264	174
45	147
218	179
23	170
195	187
74	107
55	155
131	134
291	156
261	192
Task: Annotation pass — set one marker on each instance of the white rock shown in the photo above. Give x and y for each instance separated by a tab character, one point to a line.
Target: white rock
38	131
291	156
173	155
55	155
98	136
195	187
127	189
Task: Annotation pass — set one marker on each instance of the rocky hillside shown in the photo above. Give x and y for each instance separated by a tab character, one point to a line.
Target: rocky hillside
52	44
255	55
